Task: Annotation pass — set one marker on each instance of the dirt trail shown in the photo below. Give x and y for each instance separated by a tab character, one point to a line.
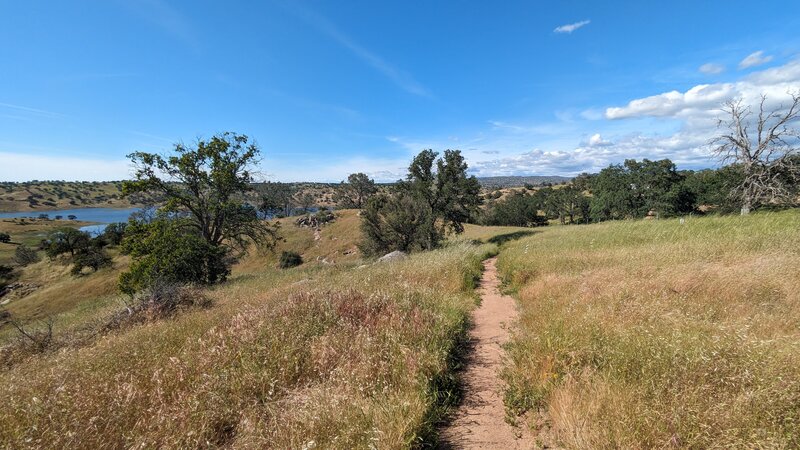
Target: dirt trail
480	421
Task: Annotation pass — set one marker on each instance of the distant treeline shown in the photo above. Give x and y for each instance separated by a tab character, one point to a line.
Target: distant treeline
634	189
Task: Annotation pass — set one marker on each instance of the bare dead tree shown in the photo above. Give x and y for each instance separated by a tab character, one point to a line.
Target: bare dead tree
768	158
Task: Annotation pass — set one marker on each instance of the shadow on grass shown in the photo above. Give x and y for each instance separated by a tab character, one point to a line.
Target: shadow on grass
501	239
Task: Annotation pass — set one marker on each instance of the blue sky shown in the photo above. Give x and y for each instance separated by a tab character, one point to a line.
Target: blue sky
328	88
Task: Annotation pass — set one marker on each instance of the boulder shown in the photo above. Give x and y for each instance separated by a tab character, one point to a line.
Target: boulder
396	255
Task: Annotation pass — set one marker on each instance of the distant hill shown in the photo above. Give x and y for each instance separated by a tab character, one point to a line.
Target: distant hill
516	181
50	195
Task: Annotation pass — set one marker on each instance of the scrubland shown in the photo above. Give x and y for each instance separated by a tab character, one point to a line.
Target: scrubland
344	355
657	334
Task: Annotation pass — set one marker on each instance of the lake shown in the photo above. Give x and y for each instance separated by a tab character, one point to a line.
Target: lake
102	216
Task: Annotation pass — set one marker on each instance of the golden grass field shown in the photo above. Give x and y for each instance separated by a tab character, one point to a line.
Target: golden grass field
653	334
341	355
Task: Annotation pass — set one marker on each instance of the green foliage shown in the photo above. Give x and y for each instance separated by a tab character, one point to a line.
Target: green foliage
423	207
355	192
66	240
92	257
394	222
5	238
290	259
208	183
113	233
206	186
24	255
7	275
518	209
636	188
171	250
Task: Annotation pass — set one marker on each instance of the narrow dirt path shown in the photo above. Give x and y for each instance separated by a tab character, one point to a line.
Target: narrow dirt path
480	421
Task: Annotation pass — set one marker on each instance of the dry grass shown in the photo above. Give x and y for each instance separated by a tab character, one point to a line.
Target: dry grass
323	356
656	334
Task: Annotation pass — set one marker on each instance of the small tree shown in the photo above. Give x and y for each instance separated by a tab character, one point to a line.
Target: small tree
25	255
5	238
113	233
277	199
394	222
290	259
355	192
93	257
766	148
170	250
424	207
207	184
66	240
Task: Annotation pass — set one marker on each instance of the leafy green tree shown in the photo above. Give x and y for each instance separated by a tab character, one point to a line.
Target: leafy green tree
209	183
114	232
169	249
611	194
355	192
66	240
518	209
92	257
392	222
204	188
424	207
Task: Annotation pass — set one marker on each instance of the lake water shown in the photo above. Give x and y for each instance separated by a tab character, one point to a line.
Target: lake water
103	216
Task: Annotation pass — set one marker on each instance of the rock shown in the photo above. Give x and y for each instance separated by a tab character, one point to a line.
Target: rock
396	255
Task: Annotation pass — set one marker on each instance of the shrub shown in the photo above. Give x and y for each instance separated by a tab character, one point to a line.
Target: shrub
25	255
114	233
161	300
5	238
171	250
290	259
92	257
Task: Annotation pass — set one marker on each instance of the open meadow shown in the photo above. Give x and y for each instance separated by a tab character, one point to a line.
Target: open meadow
659	334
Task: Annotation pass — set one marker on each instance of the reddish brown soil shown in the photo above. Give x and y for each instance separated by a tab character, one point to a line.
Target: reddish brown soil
480	423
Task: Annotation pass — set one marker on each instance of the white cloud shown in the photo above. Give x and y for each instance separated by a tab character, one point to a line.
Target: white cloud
569	28
596	140
704	100
26	167
755	59
711	68
677	125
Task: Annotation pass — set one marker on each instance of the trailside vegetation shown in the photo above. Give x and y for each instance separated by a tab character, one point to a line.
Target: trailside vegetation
436	197
205	222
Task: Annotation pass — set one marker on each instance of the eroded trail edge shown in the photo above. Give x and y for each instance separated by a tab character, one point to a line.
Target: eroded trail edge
480	420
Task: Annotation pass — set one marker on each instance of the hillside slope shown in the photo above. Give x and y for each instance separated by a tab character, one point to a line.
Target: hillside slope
655	334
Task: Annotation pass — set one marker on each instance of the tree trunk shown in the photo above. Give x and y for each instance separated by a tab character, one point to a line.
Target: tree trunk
746	205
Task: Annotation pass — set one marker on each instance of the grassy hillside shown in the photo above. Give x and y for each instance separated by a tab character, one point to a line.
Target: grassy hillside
29	232
41	196
337	353
655	334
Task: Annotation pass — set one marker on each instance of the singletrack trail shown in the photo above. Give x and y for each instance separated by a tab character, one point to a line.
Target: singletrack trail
479	423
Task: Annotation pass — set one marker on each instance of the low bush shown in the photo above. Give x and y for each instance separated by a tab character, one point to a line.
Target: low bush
290	259
161	300
25	255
